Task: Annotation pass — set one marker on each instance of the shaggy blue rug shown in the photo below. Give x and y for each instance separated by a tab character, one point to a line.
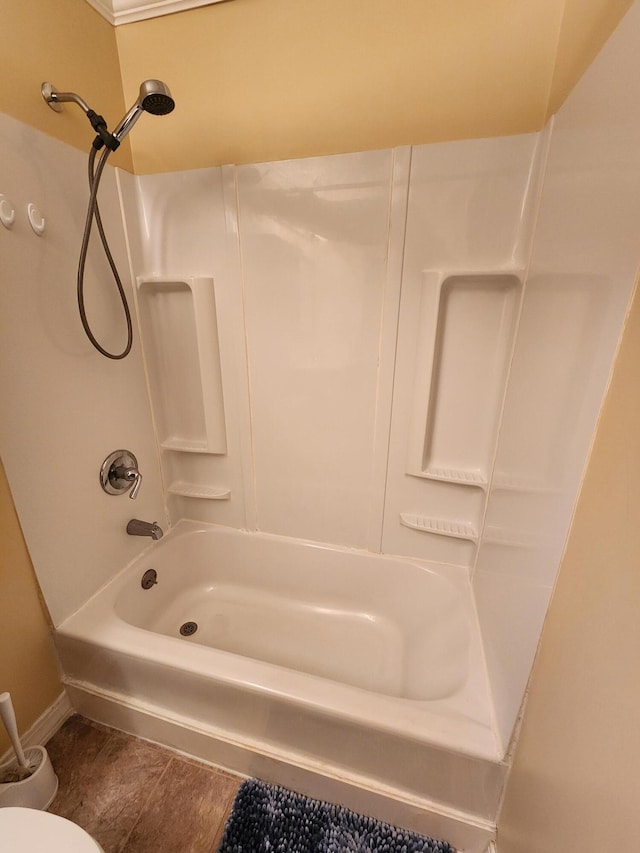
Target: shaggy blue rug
269	819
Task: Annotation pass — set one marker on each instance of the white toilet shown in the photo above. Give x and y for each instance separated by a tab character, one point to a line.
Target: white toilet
33	831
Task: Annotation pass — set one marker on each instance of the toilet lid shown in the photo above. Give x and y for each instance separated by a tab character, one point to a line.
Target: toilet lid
40	832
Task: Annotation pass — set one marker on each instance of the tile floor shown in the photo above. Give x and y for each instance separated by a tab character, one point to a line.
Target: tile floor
136	797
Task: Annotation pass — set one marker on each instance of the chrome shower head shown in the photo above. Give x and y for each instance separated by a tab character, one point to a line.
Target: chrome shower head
154	97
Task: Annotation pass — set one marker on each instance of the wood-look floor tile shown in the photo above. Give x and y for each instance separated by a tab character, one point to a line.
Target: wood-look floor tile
73	749
185	811
218	837
111	791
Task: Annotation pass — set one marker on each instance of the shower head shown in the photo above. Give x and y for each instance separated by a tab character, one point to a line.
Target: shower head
154	97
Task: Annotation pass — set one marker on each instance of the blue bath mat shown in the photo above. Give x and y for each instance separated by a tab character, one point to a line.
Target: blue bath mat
269	819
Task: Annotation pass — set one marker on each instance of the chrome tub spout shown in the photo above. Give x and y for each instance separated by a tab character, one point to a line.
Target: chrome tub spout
144	528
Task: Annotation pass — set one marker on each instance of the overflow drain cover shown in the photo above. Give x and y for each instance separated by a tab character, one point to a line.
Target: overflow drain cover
188	628
149	579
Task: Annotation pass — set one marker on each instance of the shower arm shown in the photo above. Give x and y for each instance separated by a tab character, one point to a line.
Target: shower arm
55	100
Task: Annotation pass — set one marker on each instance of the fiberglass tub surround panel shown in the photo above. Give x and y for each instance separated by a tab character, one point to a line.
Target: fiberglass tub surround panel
185	228
583	270
184	231
66	406
321	257
314	237
468	226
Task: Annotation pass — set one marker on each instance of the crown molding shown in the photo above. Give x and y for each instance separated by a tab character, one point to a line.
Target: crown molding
127	11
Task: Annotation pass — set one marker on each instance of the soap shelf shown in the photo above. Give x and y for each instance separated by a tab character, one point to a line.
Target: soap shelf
183	446
465	327
439	526
182	354
190	490
457	337
450	475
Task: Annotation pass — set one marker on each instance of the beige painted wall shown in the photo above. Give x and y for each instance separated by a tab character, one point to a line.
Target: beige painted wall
258	80
68	44
574	783
28	668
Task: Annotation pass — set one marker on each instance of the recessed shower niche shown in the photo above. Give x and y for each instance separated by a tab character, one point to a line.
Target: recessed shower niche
460	347
180	343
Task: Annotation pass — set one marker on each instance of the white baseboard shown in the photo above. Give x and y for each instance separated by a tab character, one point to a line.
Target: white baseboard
45	726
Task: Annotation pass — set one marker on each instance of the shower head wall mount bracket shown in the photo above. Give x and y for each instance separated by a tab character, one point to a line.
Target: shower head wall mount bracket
56	99
50	95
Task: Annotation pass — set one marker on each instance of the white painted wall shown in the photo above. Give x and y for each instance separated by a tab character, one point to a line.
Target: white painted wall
64	406
585	257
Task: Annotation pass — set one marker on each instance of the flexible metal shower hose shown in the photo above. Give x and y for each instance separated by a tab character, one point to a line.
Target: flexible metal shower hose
93	212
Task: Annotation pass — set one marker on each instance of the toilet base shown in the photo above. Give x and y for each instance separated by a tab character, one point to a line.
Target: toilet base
41	832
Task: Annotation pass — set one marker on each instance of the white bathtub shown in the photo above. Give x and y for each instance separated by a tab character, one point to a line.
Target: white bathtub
347	665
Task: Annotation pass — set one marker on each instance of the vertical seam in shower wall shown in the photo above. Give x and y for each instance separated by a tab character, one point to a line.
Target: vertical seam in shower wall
140	213
535	181
388	340
252	454
375	514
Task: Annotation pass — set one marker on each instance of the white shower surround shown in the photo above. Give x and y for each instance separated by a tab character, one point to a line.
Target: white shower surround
319	271
60	423
307	263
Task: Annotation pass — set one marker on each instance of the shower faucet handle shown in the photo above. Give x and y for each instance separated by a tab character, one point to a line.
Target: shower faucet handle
119	473
130	475
133	494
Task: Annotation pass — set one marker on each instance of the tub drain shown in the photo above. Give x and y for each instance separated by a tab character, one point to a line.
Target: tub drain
188	628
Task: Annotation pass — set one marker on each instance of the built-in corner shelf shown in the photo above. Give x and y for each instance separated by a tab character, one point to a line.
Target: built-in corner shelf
182	355
439	526
207	493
